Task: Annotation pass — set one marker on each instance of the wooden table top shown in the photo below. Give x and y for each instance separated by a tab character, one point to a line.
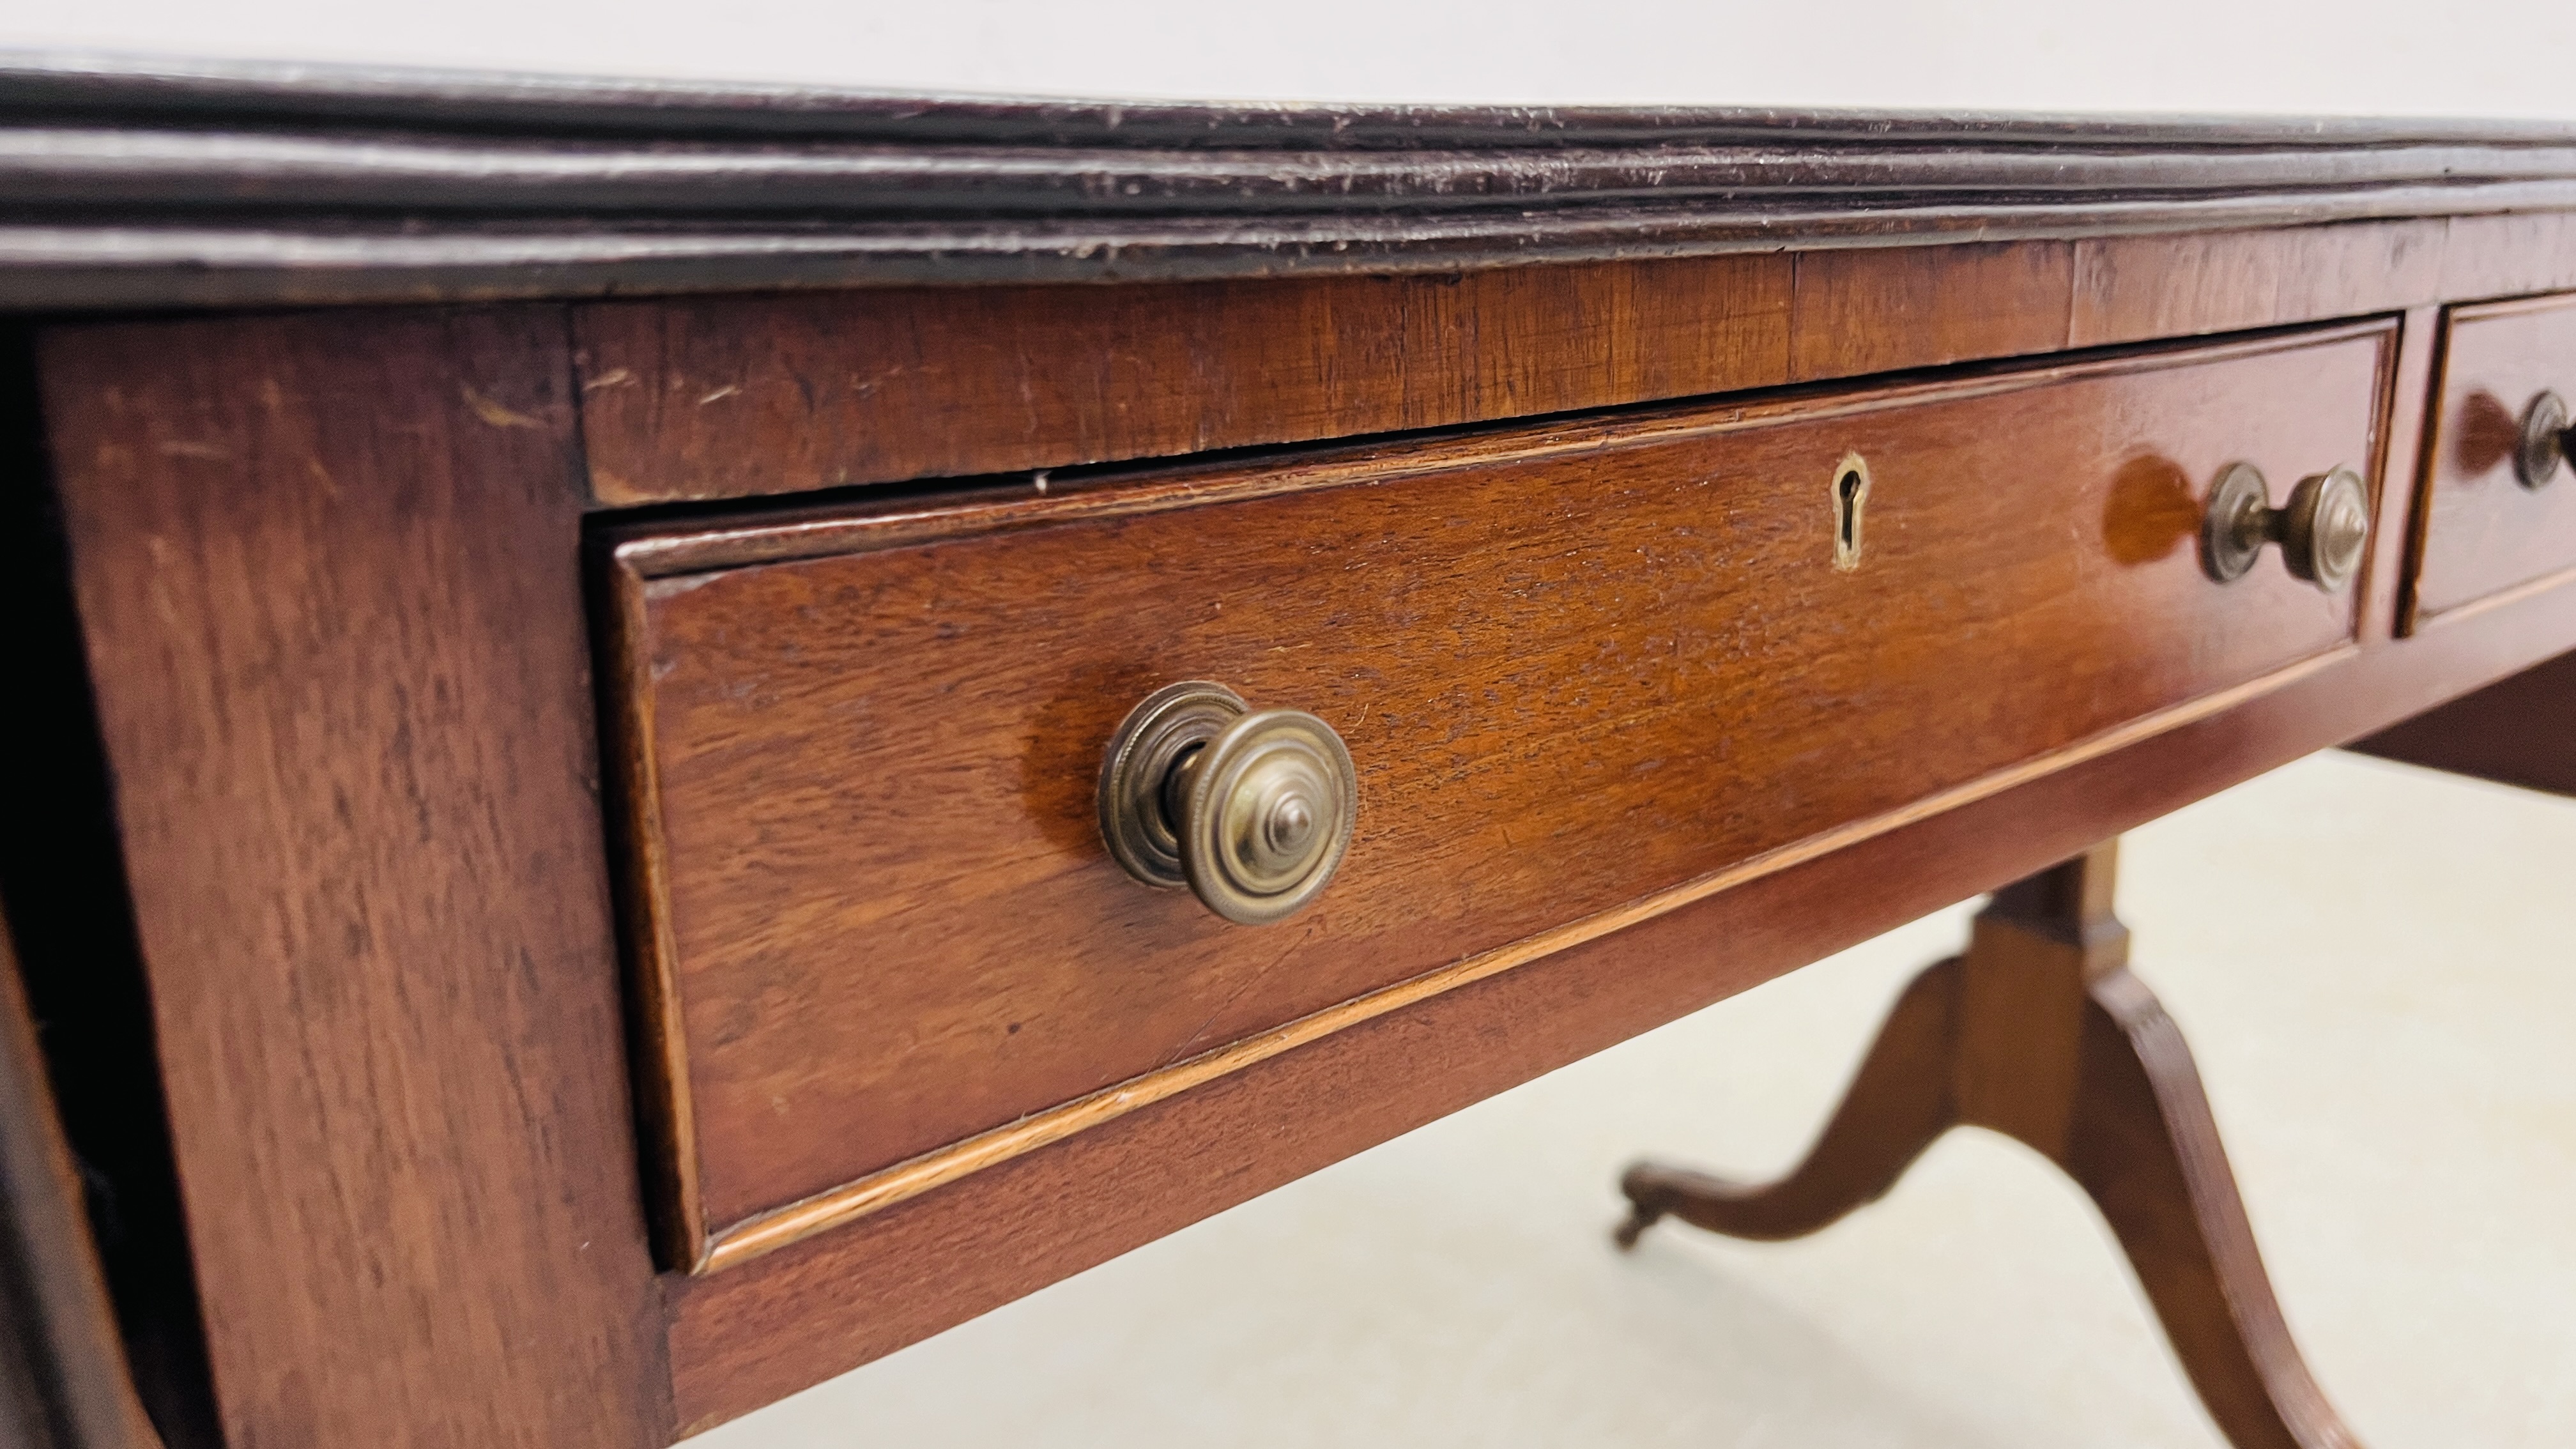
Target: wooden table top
222	184
336	398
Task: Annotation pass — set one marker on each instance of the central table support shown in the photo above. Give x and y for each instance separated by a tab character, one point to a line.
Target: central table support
2040	1032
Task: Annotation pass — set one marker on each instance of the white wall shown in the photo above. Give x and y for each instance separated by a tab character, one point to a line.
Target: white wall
2507	58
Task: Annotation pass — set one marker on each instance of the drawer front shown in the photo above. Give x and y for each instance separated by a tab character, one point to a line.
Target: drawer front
2484	530
1585	671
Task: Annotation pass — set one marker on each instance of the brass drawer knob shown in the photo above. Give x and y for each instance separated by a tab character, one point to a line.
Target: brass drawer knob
2546	439
1252	809
2322	530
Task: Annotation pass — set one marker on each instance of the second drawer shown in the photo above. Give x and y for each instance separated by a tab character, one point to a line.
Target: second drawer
2498	512
1584	671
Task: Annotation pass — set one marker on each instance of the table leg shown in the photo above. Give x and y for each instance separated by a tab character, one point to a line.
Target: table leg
2039	1031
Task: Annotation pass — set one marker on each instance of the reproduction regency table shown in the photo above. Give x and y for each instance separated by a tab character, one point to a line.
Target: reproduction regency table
671	737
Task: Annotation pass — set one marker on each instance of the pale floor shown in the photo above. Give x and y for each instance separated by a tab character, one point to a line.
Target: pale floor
2376	966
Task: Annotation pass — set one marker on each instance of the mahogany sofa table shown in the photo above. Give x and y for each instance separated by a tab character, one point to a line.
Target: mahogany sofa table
670	737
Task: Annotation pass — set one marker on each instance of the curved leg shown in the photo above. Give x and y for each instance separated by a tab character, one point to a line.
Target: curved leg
2144	1148
1896	1105
2041	1033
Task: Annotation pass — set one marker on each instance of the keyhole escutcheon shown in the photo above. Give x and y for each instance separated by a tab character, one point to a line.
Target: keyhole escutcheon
1851	495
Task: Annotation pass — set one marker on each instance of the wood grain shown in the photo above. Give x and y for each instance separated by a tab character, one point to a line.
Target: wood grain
2143	1146
731	397
1578	666
327	570
2482	532
2485	257
720	398
2388	571
2127	289
463	1202
1876	311
71	922
748	1335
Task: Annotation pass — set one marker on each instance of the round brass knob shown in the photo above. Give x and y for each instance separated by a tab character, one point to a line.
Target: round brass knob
1252	809
2325	528
2545	440
2323	531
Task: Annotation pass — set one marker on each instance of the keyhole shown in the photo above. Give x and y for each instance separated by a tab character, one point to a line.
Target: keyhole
1851	491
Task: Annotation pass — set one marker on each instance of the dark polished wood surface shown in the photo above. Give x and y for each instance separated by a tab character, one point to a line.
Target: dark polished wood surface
341	675
729	397
200	184
330	572
1580	667
747	1335
2483	531
733	397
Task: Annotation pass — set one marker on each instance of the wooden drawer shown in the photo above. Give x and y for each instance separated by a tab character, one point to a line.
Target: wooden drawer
2484	532
1588	671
